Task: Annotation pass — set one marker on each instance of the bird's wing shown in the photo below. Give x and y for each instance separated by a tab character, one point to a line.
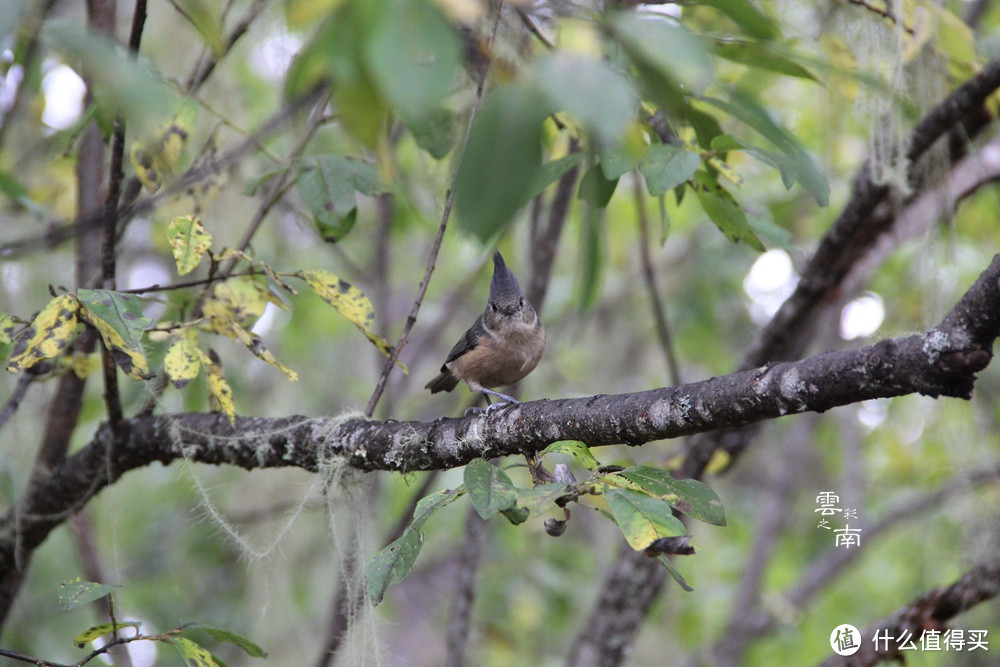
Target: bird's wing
468	341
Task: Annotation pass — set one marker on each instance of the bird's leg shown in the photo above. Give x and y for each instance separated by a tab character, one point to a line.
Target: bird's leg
506	399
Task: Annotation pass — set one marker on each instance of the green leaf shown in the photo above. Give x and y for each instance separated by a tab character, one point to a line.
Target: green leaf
595	189
123	85
672	51
780	161
689	496
549	173
516	514
47	335
768	229
16	192
228	637
643	519
502	162
725	211
413	55
489	487
590	90
193	654
802	166
540	499
579	451
118	318
674	573
666	166
744	14
328	185
433	132
391	565
253	185
761	56
189	240
591	258
76	593
92	633
617	162
336	54
205	18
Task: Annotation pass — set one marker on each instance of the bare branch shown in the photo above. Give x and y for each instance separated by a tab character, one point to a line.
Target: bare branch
941	362
449	201
930	612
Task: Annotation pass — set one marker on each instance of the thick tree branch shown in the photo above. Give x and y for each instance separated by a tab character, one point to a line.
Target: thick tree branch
930	612
941	362
865	217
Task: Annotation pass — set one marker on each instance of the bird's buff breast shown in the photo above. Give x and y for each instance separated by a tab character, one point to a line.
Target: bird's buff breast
506	360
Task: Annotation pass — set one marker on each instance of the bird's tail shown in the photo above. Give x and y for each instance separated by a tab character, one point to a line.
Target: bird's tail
445	381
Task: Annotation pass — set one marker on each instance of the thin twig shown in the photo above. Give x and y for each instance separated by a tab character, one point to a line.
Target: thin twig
533	29
885	13
203	71
449	201
663	335
282	184
24	381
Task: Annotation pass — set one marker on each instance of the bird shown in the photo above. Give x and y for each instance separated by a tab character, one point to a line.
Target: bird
503	345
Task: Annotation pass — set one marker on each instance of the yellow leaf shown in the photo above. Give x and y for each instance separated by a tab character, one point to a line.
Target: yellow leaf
188	241
83	365
349	301
211	178
220	393
6	329
257	265
154	158
726	171
193	654
241	300
719	462
256	346
48	334
127	354
182	362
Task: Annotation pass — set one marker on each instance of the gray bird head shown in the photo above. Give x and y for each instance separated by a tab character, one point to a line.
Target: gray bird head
505	293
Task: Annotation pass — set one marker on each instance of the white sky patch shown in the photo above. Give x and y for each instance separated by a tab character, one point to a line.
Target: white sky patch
871	414
265	322
665	9
769	282
9	83
63	90
862	317
273	55
13	277
145	273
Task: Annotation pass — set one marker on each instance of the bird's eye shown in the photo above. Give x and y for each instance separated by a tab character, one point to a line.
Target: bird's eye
493	307
520	301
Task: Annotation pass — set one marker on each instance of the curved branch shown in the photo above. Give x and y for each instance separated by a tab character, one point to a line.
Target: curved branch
930	612
941	362
862	221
